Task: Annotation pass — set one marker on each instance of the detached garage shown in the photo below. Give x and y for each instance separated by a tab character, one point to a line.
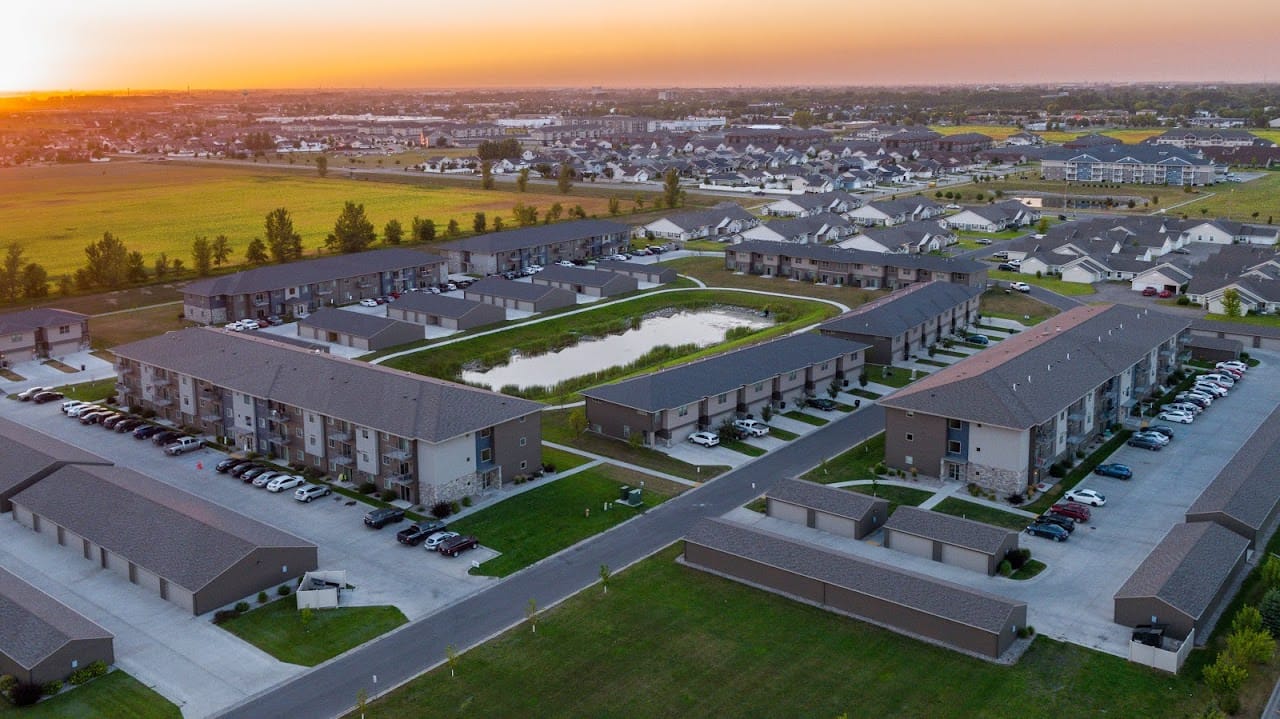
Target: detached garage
950	540
191	552
838	511
42	639
595	283
451	313
524	296
30	456
353	329
654	273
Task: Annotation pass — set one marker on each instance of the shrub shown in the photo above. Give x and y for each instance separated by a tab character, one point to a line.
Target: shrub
242	607
224	615
1005	568
454	507
367	488
1031	631
1023	632
440	510
97	669
1183	300
1015	499
1017	557
7	683
880	468
466	501
388	495
1251	646
24	694
1225	678
283	590
547	467
973	489
1270	608
80	676
1057	471
51	688
1248	619
262	597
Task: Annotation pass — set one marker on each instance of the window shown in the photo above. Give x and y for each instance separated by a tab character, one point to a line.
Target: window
953	446
683	411
760	386
64	329
485	432
364	456
486	455
332	444
298	432
522	419
523	464
15	338
910	437
364	433
311	441
791	376
722	398
523	441
953	424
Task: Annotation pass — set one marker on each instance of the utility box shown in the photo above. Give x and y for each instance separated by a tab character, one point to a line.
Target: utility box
629	496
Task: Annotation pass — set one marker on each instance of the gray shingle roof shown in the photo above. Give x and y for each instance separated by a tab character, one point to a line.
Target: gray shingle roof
526	291
357	324
840	502
171	533
933	263
27	320
909	589
1188	567
1248	487
1143	154
534	236
720	373
438	305
34	625
399	403
693	219
898	312
945	528
620	266
577	276
324	269
27	453
1052	365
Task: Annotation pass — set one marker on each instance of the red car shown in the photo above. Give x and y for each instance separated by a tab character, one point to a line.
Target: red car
1166	294
1149	292
1074	510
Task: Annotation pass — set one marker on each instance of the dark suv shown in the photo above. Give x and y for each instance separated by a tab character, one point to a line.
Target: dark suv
381	517
1145	443
413	535
457	545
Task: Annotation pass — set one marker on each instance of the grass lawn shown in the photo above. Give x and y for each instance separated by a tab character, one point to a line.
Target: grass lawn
855	463
1015	306
115	695
1264	320
118	329
742	447
867	394
711	271
949	353
958	507
561	459
1028	570
555	428
933	363
59	210
1236	200
277	629
670	641
782	434
562	521
896	495
1053	284
89	391
799	416
896	377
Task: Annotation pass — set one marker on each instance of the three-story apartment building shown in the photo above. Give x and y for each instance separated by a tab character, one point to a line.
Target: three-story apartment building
514	250
854	268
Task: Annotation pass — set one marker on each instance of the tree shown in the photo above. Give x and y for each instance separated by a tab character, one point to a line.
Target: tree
525	215
353	232
486	175
497	223
803	119
522	179
285	243
65	285
1251	646
577	420
1042	226
604	577
479	222
531	614
1225	677
423	230
451	656
35	281
11	273
221	250
256	253
107	263
614	206
135	267
564	179
639	201
322	165
578	212
176	266
202	255
452	230
1248	619
392	232
555	212
1270	609
1231	302
672	195
162	265
833	389
1271	572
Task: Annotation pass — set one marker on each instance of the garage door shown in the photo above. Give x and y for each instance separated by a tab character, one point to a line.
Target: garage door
143	578
842	526
117	564
788	512
967	558
909	543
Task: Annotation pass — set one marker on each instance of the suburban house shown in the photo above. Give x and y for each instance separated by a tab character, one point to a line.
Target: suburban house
513	250
895	212
919	237
523	296
450	313
995	217
726	218
1104	248
1163	276
909	321
825	227
299	288
667	406
194	553
31	456
1227	232
357	330
43	640
424	438
651	273
1129	164
1045	393
855	268
812	204
583	281
41	333
1253	272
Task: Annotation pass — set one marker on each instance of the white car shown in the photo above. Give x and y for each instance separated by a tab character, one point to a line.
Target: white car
564	263
1233	364
1222	378
288	481
953	207
1020	286
30	392
236	326
72	404
251	324
1182	407
533	269
83	409
433	542
1153	435
1175	416
751	427
1216	390
309	492
368	302
1086	496
706	439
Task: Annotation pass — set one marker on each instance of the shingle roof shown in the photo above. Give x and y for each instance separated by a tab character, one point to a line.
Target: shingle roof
945	528
1188	567
693	219
176	535
836	254
26	320
439	305
894	314
1051	365
620	266
577	276
1248	487
1143	154
27	453
840	502
720	373
324	269
909	589
537	235
399	403
527	291
354	323
34	625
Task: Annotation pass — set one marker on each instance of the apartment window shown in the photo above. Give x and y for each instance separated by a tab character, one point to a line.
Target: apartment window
364	433
298	432
953	446
486	455
64	329
15	338
683	411
523	441
311	441
791	376
385	460
332	444
522	419
488	432
364	456
953	424
910	437
262	423
523	464
910	413
825	365
759	386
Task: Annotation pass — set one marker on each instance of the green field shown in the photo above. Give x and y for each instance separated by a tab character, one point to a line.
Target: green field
896	495
1053	284
279	630
1015	306
892	376
115	695
1238	201
711	270
670	641
160	207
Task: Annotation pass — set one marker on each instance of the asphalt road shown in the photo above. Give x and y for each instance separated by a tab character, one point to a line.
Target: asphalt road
331	689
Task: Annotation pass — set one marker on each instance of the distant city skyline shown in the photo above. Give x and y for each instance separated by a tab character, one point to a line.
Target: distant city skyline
234	44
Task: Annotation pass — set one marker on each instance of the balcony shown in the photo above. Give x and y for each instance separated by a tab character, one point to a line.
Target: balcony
343	461
339	435
211	417
401	480
397	454
276	415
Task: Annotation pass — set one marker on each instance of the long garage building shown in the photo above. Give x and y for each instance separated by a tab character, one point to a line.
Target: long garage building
194	553
951	540
44	640
817	506
30	456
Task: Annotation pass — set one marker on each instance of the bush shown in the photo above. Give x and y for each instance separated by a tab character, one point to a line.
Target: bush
242	607
1017	558
1183	300
1015	499
51	688
454	507
224	615
1005	568
97	669
466	501
1251	646
388	495
7	683
283	590
1225	677
367	488
1057	471
547	467
262	597
440	510
80	676
24	694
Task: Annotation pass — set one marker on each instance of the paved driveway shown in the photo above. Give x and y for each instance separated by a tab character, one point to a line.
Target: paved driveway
35	373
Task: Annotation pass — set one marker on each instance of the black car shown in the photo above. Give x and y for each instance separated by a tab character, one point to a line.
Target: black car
146	431
414	534
381	517
112	422
166	437
1145	443
42	397
1161	429
1006	267
1048	531
128	425
253	472
239	470
275	320
1061	520
228	464
820	403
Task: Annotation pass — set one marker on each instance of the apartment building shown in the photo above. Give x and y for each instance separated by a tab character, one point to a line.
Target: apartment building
1129	164
41	333
513	250
855	268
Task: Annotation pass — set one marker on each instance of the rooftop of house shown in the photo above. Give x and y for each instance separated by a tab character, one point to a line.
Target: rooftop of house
840	502
296	274
527	291
439	305
537	235
1248	487
932	263
357	324
12	323
945	528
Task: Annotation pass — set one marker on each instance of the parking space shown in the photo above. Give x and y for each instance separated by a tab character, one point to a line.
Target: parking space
35	372
697	454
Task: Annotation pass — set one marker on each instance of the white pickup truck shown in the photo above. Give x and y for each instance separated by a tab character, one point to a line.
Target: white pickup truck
185	444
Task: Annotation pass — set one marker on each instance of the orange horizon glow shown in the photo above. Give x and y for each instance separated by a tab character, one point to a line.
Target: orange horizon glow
236	44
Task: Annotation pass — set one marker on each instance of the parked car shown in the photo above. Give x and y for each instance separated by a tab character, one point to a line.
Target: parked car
368	302
147	431
706	439
822	403
128	425
1174	415
253	473
1007	267
26	394
1048	531
1182	407
45	397
95	416
1199	398
1145	443
1091	497
382	516
83	409
275	320
982	241
978	340
262	480
111	422
1020	286
1148	434
751	427
182	446
235	326
283	482
1150	292
72	404
1066	523
166	438
454	546
1216	390
228	464
1219	378
436	539
953	206
1074	510
1233	364
240	470
1119	471
1231	372
251	324
1166	294
308	492
564	263
415	533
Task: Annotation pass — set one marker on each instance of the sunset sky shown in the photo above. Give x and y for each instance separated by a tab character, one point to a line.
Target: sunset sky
149	44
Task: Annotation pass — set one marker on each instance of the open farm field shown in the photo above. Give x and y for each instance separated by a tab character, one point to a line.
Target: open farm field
154	207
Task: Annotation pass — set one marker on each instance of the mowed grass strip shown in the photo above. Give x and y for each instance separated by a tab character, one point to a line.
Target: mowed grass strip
670	641
1053	284
542	521
561	459
896	495
115	695
278	629
857	462
555	428
959	507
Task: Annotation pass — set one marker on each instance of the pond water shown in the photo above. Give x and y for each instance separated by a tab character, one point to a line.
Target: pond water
703	328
